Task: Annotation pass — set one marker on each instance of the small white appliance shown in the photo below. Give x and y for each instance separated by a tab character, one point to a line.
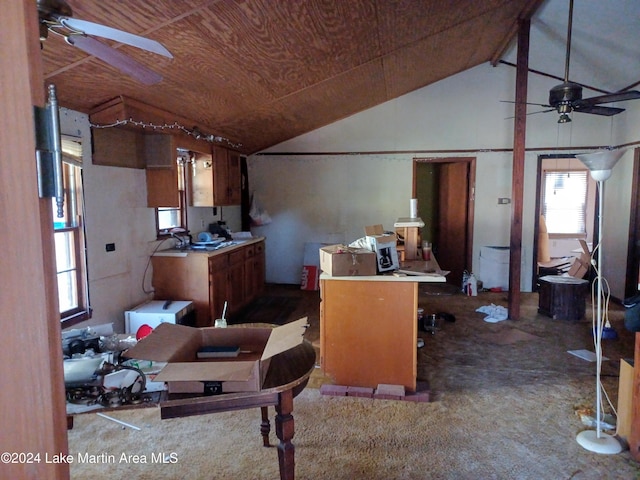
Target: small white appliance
155	312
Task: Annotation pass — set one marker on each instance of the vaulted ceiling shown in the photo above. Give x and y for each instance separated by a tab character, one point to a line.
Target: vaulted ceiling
258	72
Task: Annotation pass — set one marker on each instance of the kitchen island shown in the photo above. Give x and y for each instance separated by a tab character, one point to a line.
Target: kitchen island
234	274
369	329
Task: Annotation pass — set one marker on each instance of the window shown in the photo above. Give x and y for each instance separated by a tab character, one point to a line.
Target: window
69	239
174	217
565	201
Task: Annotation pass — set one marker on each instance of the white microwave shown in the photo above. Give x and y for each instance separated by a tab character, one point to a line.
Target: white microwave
155	312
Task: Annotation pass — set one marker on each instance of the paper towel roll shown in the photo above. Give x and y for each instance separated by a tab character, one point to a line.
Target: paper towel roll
413	208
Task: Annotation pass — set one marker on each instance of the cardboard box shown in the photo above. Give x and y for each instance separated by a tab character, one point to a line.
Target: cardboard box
625	398
185	373
384	245
343	261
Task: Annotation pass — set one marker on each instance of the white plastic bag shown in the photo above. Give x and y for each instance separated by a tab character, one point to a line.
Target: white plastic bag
257	214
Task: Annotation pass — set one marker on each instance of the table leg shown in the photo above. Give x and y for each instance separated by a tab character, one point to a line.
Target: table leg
265	426
284	431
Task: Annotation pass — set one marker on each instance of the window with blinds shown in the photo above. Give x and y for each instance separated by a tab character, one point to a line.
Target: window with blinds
565	201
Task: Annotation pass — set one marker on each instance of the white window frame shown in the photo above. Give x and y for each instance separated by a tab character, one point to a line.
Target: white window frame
70	239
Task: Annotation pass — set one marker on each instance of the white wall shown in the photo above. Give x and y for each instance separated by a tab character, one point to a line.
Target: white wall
116	212
330	197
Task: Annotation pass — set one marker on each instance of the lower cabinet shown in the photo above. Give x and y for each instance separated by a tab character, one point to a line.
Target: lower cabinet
235	276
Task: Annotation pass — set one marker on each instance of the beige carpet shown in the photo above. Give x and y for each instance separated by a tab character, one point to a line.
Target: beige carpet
504	406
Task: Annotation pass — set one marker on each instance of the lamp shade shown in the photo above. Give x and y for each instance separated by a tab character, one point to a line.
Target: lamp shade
600	163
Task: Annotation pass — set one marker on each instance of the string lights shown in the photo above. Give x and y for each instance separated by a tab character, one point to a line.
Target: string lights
193	131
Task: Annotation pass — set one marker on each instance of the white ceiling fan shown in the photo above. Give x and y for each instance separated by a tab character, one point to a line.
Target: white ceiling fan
55	16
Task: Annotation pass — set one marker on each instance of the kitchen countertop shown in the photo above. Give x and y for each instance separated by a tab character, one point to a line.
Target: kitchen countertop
209	251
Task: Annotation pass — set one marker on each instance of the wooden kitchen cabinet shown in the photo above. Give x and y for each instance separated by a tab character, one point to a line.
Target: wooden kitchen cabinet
117	147
217	183
254	270
161	171
164	178
369	329
234	275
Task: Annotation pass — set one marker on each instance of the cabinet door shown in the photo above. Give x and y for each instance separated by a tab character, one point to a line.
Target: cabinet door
118	147
201	175
218	284
221	175
234	187
236	289
257	273
161	171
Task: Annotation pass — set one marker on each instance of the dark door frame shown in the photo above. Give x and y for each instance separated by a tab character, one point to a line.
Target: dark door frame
536	223
471	186
632	278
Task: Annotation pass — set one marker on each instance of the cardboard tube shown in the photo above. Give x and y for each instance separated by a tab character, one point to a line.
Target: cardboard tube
413	208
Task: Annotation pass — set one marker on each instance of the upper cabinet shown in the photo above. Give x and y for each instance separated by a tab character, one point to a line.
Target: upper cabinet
216	178
163	177
174	161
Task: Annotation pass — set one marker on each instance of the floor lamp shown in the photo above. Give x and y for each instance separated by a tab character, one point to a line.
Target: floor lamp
600	165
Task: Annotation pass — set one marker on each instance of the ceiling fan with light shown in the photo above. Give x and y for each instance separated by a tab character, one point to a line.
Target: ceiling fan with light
567	97
55	17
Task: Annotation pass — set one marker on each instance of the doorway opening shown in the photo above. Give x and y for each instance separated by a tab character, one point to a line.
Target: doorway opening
444	188
565	211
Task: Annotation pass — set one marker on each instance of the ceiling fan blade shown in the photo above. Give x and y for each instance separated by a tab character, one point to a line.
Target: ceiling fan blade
527	103
610	98
606	111
115	58
539	111
103	31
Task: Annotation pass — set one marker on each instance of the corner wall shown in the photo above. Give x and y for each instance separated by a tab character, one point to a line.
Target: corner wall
313	195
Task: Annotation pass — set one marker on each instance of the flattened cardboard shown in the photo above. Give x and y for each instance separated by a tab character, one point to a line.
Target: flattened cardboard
581	264
178	345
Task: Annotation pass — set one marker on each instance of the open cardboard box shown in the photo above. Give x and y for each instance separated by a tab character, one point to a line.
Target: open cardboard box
185	373
385	247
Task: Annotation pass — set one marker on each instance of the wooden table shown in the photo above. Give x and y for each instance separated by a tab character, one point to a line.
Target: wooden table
287	376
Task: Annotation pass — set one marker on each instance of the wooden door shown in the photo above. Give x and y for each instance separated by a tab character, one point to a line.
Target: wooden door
444	189
33	395
451	233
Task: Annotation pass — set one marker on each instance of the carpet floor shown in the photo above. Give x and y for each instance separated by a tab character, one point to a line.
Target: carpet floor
505	404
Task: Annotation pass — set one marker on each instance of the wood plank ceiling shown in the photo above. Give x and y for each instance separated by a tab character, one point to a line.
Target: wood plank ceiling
259	72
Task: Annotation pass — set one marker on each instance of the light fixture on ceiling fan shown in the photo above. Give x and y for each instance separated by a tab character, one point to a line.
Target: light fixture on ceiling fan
55	17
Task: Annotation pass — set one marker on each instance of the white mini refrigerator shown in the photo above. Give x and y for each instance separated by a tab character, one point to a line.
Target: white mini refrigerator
155	312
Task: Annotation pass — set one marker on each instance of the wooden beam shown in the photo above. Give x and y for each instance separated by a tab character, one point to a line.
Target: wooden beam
32	398
517	178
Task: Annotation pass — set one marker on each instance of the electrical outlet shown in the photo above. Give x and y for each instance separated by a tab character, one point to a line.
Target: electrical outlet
201	223
110	247
504	201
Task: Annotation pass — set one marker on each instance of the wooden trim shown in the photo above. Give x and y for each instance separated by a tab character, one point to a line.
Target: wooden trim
33	396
